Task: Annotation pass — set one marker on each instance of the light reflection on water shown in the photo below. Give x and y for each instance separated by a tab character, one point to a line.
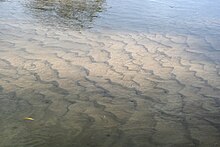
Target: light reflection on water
138	15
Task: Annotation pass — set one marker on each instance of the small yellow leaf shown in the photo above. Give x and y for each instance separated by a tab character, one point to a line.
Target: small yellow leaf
28	118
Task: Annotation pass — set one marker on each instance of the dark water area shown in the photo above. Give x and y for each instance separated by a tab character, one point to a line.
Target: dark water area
109	73
62	14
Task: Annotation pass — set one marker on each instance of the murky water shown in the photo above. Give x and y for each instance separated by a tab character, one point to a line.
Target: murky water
94	73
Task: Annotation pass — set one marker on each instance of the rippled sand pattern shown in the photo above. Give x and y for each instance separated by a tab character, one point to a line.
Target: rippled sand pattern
107	89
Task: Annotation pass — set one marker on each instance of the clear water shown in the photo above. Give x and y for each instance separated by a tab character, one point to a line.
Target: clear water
94	73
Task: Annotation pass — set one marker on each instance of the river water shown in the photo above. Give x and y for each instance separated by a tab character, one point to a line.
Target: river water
107	73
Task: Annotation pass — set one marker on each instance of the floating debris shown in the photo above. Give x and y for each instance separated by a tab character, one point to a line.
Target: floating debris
28	118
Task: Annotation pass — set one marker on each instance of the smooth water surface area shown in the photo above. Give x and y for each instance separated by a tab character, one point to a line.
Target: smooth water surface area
109	73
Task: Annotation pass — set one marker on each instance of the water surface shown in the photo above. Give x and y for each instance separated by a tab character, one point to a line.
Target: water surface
96	73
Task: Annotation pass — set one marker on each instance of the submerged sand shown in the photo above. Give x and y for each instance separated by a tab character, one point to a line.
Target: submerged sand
65	85
105	88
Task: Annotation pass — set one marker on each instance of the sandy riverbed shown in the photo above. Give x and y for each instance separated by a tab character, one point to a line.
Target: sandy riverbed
107	88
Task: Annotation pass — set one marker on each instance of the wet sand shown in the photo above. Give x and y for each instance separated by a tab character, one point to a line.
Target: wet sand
94	88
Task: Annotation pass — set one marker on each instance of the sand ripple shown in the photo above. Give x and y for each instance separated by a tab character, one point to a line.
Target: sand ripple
107	89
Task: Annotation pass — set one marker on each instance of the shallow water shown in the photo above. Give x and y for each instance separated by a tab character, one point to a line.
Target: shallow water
109	73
